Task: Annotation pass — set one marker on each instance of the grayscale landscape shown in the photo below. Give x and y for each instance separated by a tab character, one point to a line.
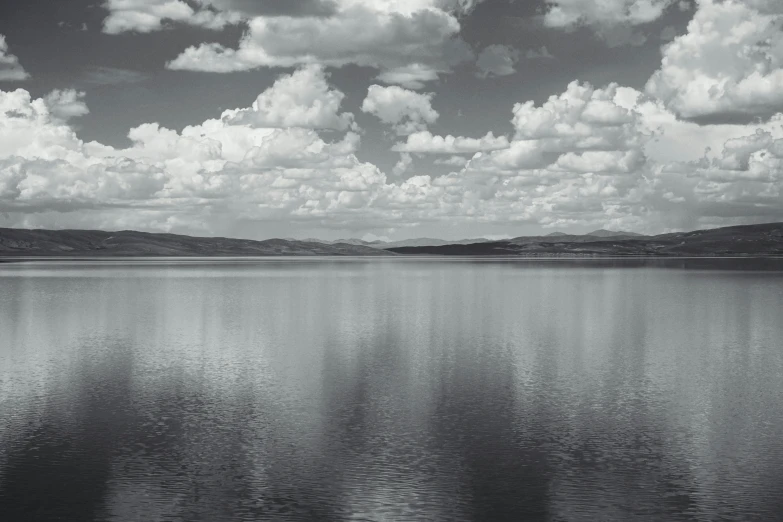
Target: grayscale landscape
391	260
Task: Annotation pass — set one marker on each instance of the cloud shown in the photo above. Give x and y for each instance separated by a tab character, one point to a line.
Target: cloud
744	183
581	118
452	161
411	76
424	142
215	167
66	104
497	60
402	166
406	111
571	13
460	7
301	99
10	69
216	174
588	156
409	42
145	16
728	66
612	20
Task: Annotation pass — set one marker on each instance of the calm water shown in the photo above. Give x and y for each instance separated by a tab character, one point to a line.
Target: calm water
371	389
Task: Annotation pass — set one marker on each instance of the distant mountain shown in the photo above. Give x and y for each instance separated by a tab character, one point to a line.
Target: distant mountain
415	242
427	241
563	238
351	241
608	233
556	234
20	242
757	240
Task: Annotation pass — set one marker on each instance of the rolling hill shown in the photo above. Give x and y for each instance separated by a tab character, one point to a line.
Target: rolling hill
744	240
19	242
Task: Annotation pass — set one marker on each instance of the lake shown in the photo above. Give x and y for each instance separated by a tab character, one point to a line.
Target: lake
391	389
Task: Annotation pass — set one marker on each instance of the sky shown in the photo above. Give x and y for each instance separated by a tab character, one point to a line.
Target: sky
390	118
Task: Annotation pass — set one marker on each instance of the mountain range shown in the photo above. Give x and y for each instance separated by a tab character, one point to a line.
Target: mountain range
428	241
16	242
758	240
742	240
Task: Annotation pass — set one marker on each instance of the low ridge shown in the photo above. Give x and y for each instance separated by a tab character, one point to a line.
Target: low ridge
743	240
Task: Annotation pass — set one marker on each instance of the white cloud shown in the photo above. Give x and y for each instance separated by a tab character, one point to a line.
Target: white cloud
215	167
582	118
145	16
66	104
452	161
301	99
728	64
744	183
497	60
412	76
424	142
612	20
402	166
461	7
410	42
570	13
10	69
406	111
589	156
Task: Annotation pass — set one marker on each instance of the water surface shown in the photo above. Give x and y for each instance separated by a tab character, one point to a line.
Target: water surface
391	389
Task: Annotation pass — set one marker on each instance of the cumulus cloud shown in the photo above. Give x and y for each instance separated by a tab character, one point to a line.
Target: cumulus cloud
215	166
728	65
579	158
66	104
424	142
411	76
145	16
402	166
10	69
410	42
570	13
461	7
612	20
301	99
743	183
497	60
452	161
581	118
406	111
